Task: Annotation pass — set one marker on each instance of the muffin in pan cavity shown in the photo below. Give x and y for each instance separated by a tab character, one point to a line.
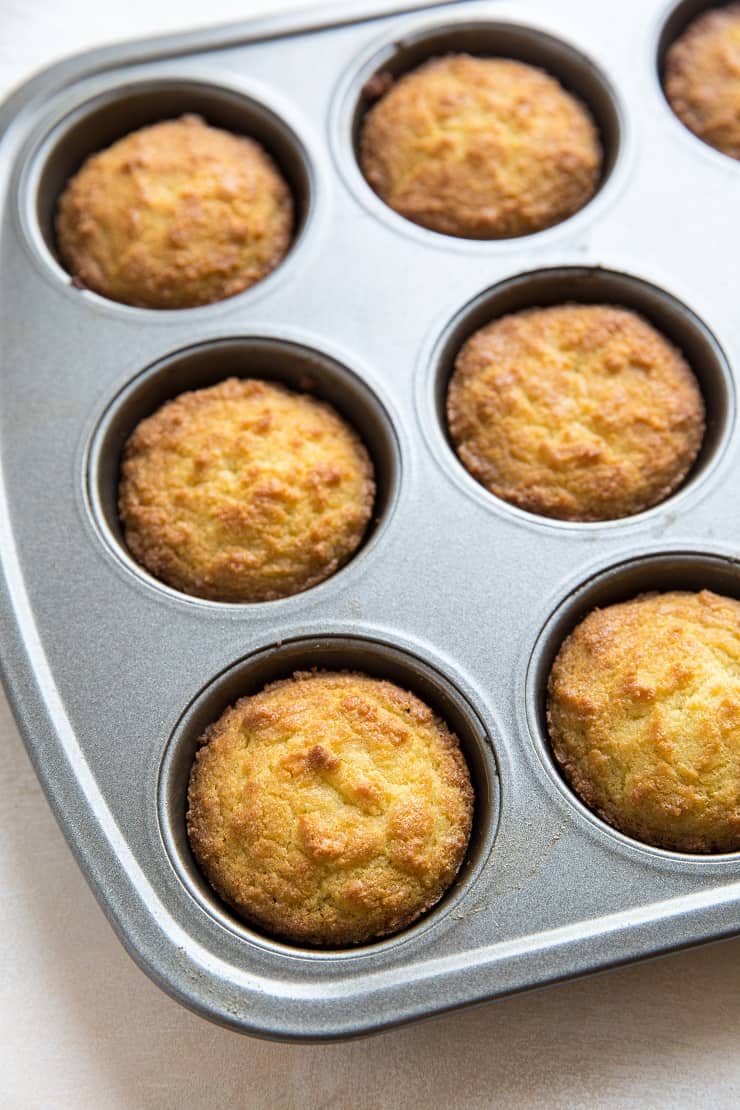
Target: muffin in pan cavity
702	78
330	809
481	148
175	215
244	491
580	412
643	711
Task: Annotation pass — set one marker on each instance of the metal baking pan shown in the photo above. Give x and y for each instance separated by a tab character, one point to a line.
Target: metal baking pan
455	594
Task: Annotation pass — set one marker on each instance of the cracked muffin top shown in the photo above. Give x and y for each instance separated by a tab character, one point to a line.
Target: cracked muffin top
578	412
644	717
481	148
702	78
175	215
329	809
244	491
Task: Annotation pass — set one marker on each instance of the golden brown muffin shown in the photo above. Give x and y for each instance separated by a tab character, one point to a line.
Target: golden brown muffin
244	491
330	808
175	215
702	78
580	412
482	148
644	718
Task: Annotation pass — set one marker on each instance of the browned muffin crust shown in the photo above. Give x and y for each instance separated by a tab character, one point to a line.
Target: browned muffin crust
481	148
644	718
579	412
702	78
245	491
330	809
175	215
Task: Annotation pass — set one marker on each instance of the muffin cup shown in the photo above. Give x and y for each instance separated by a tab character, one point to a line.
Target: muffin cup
675	23
97	123
489	38
370	656
583	285
673	26
680	570
267	358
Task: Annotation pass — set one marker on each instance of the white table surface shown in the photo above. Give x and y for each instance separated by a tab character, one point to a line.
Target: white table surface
81	1026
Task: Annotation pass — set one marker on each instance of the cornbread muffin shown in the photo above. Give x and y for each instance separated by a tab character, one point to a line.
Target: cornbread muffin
244	491
702	78
175	215
330	808
481	148
644	717
580	412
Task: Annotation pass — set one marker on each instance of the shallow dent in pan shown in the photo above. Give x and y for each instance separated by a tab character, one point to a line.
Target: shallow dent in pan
98	123
331	652
489	38
680	570
270	359
590	285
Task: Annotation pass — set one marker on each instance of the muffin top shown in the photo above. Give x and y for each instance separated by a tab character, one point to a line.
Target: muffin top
644	718
580	412
482	148
244	491
330	808
175	215
702	78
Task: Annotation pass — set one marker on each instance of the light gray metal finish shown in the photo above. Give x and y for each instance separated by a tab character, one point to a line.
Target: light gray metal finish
455	594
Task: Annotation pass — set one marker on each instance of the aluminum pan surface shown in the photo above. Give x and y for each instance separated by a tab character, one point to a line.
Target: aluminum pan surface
99	665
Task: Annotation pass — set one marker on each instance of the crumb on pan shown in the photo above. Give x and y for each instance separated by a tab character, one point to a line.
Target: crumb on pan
330	809
378	85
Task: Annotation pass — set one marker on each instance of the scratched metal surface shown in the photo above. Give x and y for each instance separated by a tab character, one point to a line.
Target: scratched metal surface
463	598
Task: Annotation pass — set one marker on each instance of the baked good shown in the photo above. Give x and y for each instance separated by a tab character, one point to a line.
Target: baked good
244	491
175	215
644	717
481	148
330	809
702	78
580	412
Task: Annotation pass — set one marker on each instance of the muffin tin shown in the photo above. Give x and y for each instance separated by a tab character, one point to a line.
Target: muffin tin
455	595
